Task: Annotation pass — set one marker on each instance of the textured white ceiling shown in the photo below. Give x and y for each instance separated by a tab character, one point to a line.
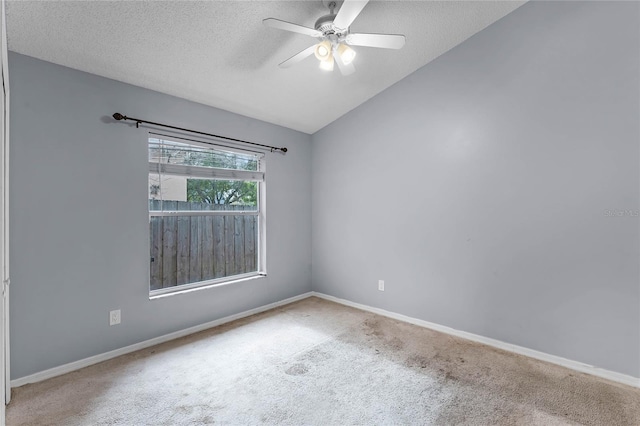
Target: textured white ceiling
219	53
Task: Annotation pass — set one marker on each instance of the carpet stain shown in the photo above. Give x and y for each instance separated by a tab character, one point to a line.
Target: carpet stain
448	375
316	355
417	361
372	327
395	343
297	370
207	420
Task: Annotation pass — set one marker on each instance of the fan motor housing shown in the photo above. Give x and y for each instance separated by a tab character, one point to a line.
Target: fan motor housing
324	24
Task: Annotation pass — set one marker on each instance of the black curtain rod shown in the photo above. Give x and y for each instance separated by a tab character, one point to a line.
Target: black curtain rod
119	117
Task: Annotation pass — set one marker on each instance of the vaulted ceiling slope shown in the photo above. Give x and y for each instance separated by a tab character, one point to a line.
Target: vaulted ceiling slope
220	54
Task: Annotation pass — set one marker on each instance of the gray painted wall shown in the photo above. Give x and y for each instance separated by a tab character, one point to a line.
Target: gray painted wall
79	220
477	187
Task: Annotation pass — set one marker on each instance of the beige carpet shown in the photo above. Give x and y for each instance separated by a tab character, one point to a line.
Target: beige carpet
318	363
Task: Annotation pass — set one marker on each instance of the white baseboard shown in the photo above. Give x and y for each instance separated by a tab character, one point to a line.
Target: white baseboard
574	365
76	365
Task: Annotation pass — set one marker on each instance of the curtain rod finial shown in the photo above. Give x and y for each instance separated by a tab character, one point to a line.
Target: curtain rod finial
118	116
284	149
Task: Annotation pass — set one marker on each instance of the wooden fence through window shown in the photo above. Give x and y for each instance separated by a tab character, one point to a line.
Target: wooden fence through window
187	249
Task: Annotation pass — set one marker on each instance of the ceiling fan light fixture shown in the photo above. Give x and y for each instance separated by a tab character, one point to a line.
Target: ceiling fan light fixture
323	50
334	37
346	53
327	64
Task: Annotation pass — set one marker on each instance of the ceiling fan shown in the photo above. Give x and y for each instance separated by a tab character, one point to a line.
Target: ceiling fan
335	37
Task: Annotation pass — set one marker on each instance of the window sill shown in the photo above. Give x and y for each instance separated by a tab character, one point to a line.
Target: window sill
188	288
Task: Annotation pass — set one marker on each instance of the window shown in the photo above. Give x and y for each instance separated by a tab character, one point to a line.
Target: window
205	215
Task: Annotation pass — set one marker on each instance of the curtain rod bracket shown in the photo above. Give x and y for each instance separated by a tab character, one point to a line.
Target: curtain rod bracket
117	116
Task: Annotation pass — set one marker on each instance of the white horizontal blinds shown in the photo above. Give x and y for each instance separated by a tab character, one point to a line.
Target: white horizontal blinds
181	159
205	172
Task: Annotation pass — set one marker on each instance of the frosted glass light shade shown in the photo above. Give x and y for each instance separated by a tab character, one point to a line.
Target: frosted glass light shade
346	53
327	64
323	50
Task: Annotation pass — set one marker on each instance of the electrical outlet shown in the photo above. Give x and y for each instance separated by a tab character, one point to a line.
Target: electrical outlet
381	285
114	317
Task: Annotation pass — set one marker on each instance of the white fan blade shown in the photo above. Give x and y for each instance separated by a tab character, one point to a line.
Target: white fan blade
385	41
288	26
345	69
298	57
348	12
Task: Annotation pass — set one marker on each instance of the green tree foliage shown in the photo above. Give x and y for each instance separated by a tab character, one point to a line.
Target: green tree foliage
222	191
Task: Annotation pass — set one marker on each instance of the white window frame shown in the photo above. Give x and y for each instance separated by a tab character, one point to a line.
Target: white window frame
258	176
